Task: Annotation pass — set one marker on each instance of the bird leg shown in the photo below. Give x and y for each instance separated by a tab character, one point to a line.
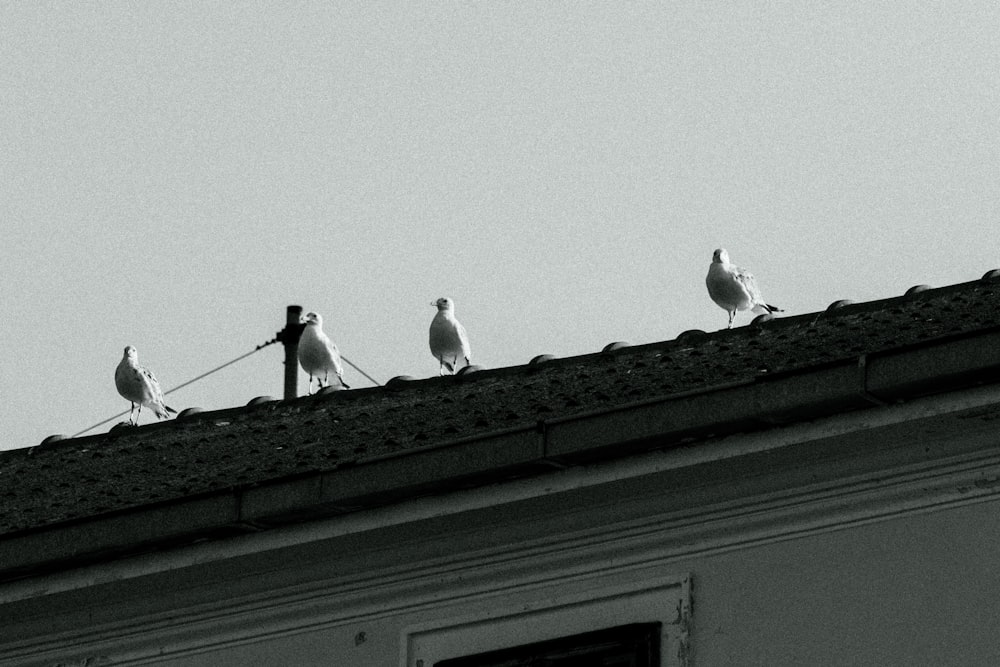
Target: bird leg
130	412
732	315
325	382
309	391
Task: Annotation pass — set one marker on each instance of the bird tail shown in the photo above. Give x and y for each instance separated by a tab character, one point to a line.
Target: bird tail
164	411
760	308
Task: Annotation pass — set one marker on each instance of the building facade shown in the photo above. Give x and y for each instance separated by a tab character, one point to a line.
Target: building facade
812	490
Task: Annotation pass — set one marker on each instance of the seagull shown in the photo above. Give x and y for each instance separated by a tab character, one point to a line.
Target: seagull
138	386
734	288
318	355
449	342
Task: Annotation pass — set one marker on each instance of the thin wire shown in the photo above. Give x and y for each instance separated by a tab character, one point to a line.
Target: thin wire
219	368
355	367
184	384
120	414
215	370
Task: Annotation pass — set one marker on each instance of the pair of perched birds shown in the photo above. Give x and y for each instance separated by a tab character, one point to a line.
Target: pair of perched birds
318	356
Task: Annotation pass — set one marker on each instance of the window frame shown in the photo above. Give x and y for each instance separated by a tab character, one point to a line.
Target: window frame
553	609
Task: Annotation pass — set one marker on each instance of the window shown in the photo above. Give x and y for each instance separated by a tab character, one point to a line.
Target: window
635	645
638	618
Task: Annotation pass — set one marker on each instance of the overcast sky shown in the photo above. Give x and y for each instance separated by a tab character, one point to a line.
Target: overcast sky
173	175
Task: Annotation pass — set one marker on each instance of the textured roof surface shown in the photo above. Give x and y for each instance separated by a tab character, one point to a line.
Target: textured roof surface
212	451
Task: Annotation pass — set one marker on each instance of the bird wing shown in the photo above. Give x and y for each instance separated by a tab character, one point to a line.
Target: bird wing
749	283
335	357
318	354
331	351
463	338
152	387
149	381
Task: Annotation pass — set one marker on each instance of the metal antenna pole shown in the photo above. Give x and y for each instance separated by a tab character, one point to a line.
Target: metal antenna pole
289	337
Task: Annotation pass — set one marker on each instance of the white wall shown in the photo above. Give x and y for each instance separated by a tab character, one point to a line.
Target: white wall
919	589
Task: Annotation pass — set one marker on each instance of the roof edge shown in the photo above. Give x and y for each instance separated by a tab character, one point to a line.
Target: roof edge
871	382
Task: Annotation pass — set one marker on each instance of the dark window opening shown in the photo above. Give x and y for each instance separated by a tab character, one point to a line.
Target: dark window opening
635	645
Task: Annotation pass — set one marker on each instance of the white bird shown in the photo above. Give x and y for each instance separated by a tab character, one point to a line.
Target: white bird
138	386
318	355
449	342
734	288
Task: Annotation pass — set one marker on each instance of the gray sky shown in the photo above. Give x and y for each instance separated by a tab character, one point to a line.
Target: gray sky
174	174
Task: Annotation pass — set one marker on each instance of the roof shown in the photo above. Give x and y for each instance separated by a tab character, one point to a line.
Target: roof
274	462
